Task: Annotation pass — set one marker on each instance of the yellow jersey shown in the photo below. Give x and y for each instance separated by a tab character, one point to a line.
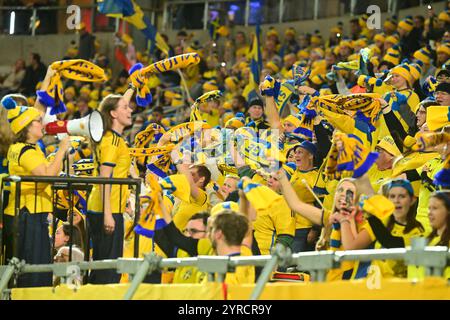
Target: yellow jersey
303	193
190	274
186	210
242	274
434	165
113	152
22	159
378	178
271	223
398	267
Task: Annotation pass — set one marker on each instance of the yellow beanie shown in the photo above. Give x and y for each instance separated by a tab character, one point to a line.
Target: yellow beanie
223	31
403	71
228	115
379	37
445	48
294	120
272	32
423	55
346	43
231	83
416	71
393	39
444	16
360	43
169	94
210	86
302	54
392	56
406	24
388	144
316	39
227	105
19	116
85	89
177	100
390	25
290	31
272	66
69	90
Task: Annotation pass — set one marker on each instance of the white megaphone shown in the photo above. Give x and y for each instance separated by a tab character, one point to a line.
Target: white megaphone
90	126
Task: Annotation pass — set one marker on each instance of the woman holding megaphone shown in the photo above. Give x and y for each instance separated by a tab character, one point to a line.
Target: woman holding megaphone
107	203
25	158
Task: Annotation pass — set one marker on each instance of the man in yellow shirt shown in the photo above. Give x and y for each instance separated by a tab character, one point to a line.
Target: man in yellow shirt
227	231
191	192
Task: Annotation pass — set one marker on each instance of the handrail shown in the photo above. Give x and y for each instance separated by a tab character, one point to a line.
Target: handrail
432	257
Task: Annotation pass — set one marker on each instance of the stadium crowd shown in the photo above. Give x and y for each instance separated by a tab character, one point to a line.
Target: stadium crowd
336	144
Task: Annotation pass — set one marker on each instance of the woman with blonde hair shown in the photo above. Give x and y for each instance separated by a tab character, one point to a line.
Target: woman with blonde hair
107	203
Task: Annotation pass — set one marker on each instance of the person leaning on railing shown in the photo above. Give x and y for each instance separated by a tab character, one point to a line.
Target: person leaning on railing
107	203
25	158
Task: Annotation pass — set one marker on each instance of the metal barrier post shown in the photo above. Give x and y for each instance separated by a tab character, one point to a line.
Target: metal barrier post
13	266
150	263
16	219
280	253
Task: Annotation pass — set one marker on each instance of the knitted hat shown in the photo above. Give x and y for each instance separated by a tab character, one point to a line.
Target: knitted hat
316	39
445	48
272	32
392	55
210	86
70	90
423	55
19	116
415	70
294	120
302	54
406	24
394	39
231	82
404	71
379	37
444	16
290	31
390	24
272	66
388	144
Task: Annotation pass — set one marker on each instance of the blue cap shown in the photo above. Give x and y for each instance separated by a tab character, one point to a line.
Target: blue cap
309	146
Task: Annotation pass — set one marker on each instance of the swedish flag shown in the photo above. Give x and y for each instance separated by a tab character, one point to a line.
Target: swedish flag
129	11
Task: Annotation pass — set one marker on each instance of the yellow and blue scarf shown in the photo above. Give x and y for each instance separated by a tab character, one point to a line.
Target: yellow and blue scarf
77	69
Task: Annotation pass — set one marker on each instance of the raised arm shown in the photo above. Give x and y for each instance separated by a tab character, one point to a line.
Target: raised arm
44	86
306	210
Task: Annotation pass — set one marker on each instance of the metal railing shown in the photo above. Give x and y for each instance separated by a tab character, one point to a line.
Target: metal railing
69	184
434	259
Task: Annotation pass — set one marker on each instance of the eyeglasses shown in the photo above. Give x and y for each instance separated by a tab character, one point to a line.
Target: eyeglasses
193	230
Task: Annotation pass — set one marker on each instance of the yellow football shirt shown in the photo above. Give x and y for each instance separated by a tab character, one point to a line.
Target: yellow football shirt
22	159
112	151
303	193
